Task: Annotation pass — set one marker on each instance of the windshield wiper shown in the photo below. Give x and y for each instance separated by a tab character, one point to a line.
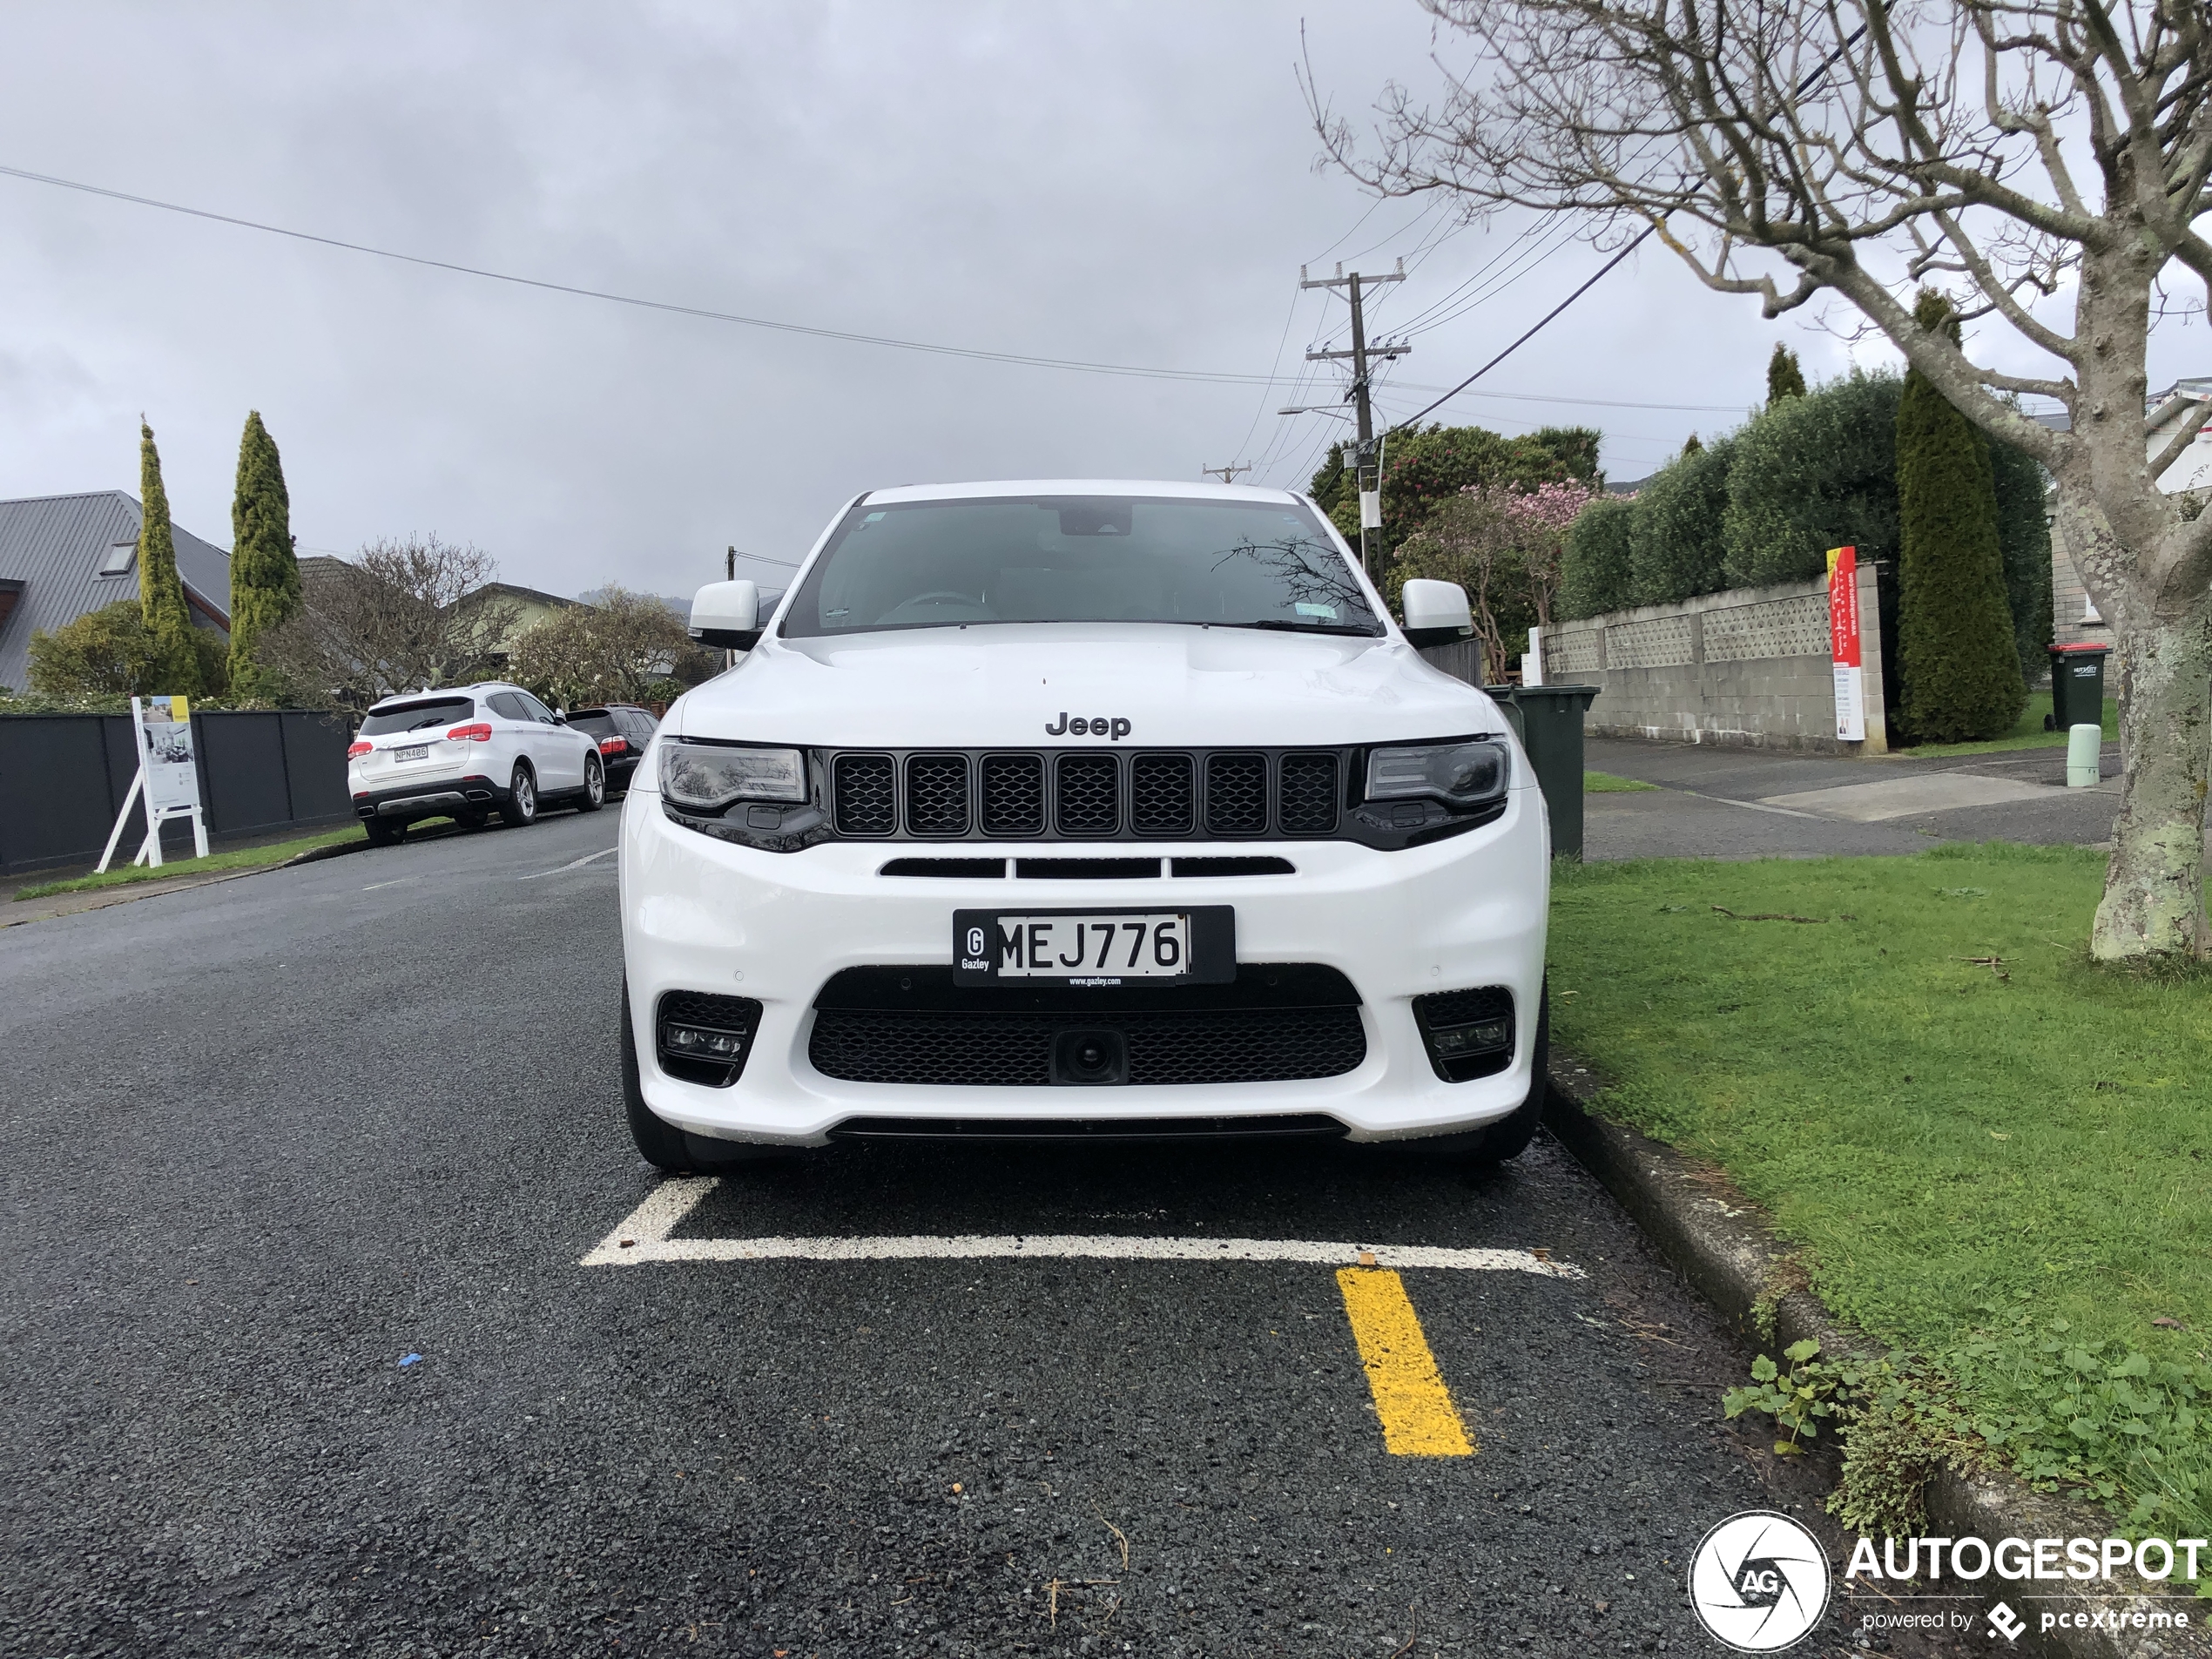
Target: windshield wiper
1275	625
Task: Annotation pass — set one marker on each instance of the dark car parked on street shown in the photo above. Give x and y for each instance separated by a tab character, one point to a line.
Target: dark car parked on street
622	730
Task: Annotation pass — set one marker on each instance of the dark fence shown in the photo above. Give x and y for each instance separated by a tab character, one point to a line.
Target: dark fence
63	778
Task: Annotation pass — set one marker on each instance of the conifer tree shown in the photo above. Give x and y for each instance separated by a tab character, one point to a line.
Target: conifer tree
1784	378
1956	654
161	591
265	574
1693	445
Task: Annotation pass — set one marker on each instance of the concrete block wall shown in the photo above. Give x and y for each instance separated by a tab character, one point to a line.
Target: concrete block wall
1749	667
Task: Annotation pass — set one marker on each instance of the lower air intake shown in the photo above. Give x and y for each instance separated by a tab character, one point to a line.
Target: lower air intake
1013	1048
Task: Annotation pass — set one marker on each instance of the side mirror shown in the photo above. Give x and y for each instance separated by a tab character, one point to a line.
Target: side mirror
727	614
1436	612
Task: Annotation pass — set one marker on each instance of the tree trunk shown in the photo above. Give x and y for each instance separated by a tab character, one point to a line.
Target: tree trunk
2154	902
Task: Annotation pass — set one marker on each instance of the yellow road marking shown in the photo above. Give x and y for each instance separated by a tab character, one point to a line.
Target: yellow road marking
1415	1407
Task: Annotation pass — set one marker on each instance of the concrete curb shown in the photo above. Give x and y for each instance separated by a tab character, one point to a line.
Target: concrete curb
1726	1248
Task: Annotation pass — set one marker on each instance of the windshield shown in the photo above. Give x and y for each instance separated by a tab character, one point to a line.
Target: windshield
598	722
1091	558
414	717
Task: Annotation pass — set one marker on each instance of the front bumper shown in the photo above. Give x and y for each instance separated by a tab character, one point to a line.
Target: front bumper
704	914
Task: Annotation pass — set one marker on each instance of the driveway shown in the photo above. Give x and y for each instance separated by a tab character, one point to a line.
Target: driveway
1715	802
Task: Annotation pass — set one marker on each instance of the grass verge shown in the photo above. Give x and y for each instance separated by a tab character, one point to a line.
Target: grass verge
1993	1154
244	858
2026	733
1604	783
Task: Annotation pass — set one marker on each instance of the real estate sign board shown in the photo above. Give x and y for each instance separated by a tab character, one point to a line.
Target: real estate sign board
1842	644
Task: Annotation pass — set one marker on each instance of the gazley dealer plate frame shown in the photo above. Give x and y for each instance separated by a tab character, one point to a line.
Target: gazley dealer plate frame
1213	945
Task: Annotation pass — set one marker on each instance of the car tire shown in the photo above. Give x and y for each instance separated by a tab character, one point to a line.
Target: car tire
520	808
384	832
595	786
667	1148
1509	1136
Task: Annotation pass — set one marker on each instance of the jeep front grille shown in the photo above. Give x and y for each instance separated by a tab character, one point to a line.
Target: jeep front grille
1087	794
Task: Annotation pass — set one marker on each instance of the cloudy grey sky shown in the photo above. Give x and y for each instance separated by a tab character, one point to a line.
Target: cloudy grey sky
1120	183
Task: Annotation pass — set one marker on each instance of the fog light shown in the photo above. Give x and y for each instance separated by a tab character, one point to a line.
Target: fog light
703	1038
708	1045
1451	1042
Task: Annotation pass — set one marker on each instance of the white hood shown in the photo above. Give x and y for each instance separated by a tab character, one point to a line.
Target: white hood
1177	686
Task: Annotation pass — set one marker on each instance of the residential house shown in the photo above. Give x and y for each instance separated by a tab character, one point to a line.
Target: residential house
62	555
529	606
2074	620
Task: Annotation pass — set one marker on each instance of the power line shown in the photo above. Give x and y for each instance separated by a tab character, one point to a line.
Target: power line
1636	242
975	354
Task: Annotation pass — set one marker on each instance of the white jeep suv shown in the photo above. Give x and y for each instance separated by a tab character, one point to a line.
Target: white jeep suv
1081	809
466	753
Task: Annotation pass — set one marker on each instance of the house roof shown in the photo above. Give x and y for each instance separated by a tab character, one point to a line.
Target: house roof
54	545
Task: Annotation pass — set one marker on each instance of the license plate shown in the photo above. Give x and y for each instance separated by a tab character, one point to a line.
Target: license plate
1100	947
417	751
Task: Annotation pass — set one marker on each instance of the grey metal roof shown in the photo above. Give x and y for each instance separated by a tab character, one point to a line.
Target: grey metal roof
54	546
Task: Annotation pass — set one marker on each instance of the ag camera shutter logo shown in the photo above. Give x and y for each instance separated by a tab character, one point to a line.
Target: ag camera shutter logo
1759	1581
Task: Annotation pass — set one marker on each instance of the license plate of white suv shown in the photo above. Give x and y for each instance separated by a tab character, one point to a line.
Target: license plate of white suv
412	752
1095	947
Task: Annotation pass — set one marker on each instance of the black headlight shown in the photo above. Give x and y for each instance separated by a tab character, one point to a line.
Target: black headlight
1461	775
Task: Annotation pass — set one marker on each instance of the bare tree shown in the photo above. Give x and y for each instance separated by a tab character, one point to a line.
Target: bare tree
2032	156
403	616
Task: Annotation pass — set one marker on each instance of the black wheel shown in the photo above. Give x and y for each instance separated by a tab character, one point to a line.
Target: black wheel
595	786
667	1148
384	832
1509	1136
520	808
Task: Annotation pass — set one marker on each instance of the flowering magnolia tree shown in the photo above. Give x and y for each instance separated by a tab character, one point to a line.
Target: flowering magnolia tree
1504	547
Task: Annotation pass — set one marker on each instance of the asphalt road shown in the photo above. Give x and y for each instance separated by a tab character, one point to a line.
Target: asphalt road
266	1140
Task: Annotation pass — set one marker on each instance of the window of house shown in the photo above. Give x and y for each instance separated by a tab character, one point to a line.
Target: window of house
120	558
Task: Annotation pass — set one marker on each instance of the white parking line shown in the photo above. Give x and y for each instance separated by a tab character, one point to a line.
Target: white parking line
643	1237
573	864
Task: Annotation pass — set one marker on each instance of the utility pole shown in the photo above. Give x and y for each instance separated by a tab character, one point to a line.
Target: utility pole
730	568
1227	475
1367	458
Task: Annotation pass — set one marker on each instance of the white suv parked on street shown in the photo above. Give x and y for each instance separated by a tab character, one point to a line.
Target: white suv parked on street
1085	808
464	753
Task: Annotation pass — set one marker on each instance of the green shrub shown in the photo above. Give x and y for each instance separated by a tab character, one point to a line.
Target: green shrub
108	652
1813	472
1593	571
1957	656
1674	549
2024	536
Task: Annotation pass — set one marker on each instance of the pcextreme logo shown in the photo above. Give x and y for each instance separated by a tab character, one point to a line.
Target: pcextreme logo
1759	1581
